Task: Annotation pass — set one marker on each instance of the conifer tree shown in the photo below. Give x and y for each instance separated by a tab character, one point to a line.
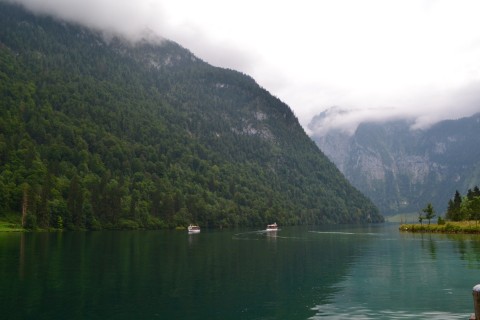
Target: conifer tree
429	212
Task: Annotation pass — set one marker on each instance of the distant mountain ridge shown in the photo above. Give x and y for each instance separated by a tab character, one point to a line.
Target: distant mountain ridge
402	169
106	134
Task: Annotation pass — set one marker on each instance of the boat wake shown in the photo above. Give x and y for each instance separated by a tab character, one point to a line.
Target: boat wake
262	235
345	233
248	235
331	232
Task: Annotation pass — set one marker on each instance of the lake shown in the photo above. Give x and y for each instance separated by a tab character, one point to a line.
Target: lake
328	272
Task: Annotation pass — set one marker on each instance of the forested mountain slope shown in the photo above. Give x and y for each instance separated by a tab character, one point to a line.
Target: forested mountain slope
402	169
97	133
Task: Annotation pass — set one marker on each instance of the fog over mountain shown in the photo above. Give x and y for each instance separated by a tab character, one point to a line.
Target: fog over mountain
402	169
358	55
95	132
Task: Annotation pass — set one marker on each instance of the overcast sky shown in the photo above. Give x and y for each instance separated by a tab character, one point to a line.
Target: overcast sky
377	58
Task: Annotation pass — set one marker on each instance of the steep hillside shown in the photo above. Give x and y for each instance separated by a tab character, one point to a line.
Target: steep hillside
401	169
101	133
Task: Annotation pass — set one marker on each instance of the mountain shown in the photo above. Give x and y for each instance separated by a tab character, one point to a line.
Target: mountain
97	132
402	169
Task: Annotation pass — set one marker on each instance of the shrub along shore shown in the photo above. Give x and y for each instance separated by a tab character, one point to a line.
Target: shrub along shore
10	222
470	227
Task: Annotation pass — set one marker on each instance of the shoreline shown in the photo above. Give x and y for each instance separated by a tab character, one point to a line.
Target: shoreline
466	227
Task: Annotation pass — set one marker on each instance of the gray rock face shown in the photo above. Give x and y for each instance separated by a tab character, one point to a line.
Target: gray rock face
402	169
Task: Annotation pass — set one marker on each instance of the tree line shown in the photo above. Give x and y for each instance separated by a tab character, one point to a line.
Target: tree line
109	135
460	208
465	207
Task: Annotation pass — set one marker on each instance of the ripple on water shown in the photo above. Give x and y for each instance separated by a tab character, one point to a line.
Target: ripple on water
333	312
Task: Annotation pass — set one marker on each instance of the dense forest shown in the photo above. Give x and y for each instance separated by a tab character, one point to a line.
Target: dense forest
96	132
466	207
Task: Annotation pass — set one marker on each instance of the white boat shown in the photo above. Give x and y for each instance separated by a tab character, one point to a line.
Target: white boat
193	228
272	227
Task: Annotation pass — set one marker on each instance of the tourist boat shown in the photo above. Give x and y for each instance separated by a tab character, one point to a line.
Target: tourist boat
272	227
193	228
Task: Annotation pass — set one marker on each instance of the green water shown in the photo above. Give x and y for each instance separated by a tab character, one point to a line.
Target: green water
296	273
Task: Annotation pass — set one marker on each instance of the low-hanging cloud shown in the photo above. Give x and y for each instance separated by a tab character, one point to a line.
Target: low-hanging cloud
379	60
422	110
136	20
123	17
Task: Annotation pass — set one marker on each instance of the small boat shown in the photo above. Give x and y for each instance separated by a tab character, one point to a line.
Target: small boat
272	227
193	228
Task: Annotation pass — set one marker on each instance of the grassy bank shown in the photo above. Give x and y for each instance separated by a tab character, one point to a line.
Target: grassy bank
10	223
10	227
472	227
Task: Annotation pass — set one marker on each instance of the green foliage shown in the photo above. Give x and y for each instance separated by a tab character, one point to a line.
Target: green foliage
126	224
454	208
111	135
9	221
59	222
465	208
30	222
452	228
420	218
429	212
449	227
440	221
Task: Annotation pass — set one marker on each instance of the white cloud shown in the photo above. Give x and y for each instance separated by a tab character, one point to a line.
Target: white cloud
382	58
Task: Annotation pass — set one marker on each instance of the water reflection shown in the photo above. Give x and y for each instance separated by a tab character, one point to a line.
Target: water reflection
272	236
212	275
468	248
21	255
193	238
428	243
295	273
333	312
408	276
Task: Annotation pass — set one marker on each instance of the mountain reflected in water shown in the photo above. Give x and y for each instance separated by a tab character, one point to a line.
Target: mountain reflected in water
371	272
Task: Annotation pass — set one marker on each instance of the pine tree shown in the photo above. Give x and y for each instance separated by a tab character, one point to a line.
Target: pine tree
429	212
476	191
454	210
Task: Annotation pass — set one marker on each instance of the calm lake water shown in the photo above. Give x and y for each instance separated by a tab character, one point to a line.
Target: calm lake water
341	272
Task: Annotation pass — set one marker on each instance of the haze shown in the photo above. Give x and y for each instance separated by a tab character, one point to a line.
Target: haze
379	59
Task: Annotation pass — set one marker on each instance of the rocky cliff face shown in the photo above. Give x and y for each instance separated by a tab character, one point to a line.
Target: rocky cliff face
402	169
